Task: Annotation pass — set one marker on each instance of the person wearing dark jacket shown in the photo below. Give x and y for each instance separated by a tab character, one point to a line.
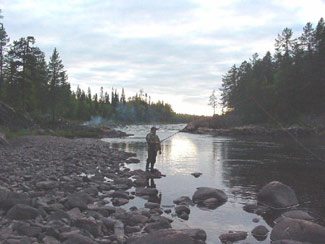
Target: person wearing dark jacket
154	146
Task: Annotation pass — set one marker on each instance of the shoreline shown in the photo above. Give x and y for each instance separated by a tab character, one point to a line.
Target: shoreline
254	130
60	190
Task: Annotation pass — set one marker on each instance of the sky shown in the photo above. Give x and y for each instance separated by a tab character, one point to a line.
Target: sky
174	50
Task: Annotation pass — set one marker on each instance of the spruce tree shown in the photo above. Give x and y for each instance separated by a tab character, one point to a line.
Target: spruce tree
57	79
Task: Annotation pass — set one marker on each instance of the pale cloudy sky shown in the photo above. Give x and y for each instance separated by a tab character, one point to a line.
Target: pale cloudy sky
175	50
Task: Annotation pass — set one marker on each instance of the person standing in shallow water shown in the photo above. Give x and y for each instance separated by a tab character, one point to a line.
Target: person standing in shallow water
153	147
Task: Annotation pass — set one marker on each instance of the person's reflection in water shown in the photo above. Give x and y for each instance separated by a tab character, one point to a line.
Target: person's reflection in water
153	198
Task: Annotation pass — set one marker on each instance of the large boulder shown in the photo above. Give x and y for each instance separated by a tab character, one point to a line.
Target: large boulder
277	195
205	193
298	230
169	236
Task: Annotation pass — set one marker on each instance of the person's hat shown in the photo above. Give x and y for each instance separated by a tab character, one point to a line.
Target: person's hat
154	128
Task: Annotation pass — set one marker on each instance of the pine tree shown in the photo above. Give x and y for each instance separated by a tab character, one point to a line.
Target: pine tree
3	43
57	79
20	59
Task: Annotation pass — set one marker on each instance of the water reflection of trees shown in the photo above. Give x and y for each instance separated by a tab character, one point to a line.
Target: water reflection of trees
251	165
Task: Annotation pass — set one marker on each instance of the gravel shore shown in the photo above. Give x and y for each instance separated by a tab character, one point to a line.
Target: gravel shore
58	190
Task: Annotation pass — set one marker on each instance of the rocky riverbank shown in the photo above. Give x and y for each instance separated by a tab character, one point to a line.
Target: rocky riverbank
59	190
253	130
231	125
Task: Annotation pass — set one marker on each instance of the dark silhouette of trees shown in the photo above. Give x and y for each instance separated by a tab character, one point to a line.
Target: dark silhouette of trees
290	85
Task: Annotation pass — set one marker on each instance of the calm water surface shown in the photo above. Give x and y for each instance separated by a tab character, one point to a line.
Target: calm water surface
240	166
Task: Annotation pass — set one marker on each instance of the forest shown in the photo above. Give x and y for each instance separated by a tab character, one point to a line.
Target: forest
288	86
29	83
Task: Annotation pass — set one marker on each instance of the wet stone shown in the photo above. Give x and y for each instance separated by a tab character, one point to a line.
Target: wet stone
151	205
233	236
119	201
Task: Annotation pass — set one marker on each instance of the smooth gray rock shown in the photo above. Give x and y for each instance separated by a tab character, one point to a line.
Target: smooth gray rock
22	212
137	219
169	236
46	185
233	236
50	240
260	230
298	214
158	218
25	229
79	200
132	161
8	198
180	209
277	195
79	239
146	191
290	242
203	193
91	226
298	230
60	215
119	201
119	231
151	205
132	229
151	227
183	200
197	234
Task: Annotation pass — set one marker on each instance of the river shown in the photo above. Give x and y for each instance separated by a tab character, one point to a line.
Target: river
240	166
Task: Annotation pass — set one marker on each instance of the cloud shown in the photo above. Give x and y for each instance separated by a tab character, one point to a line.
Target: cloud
176	50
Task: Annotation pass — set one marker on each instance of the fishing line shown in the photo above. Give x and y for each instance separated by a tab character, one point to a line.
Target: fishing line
288	132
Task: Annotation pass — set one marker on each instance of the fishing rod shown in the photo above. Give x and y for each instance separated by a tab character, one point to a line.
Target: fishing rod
170	136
